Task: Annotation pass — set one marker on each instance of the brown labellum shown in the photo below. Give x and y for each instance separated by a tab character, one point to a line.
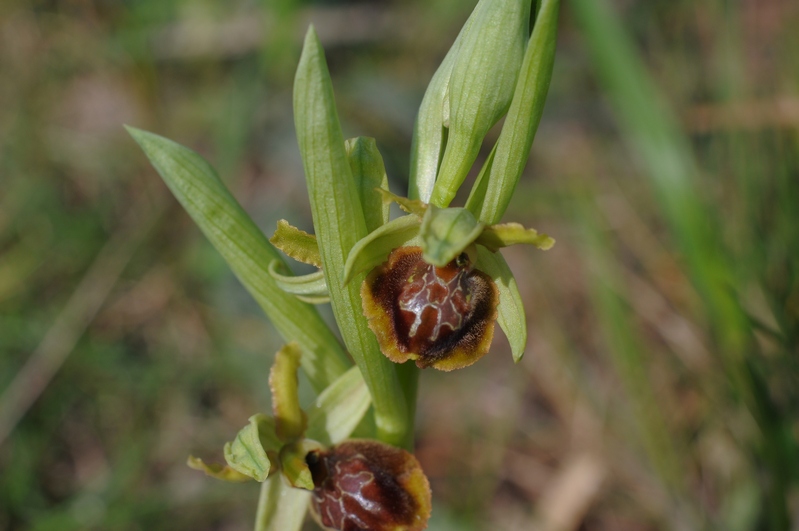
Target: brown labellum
368	485
442	317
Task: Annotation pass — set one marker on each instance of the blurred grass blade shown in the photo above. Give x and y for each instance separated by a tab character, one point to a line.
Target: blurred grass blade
524	114
369	173
281	507
339	224
290	419
372	250
339	409
510	311
651	128
296	243
243	246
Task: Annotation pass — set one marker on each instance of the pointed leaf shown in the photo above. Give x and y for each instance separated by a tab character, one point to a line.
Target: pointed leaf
481	86
339	409
296	243
249	453
281	507
243	246
524	114
293	466
446	233
372	250
478	192
312	285
223	472
370	176
510	311
290	420
504	234
339	224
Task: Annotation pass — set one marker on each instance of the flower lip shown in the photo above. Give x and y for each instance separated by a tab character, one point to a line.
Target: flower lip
364	484
442	317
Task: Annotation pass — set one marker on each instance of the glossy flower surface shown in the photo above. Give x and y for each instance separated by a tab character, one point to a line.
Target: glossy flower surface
368	485
441	317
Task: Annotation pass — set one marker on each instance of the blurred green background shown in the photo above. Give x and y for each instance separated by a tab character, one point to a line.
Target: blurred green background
660	389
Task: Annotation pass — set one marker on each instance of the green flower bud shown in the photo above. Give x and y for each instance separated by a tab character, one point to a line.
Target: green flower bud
481	86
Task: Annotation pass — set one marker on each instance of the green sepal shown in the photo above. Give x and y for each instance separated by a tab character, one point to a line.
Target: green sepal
339	409
290	419
339	224
478	192
281	507
481	86
244	247
249	453
446	233
296	243
293	466
495	237
223	472
510	311
411	206
524	114
369	173
372	250
310	288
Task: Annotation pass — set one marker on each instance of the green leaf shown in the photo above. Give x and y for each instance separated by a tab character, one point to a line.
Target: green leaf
372	250
370	176
478	192
223	472
339	409
296	243
243	246
510	311
308	288
249	452
524	114
481	86
293	465
281	507
446	233
290	419
339	224
495	237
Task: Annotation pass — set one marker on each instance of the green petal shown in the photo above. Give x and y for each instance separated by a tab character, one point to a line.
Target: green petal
290	420
372	250
339	409
248	452
310	286
518	131
370	176
281	507
296	243
481	86
339	224
446	233
293	465
510	311
411	206
223	472
243	246
504	234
